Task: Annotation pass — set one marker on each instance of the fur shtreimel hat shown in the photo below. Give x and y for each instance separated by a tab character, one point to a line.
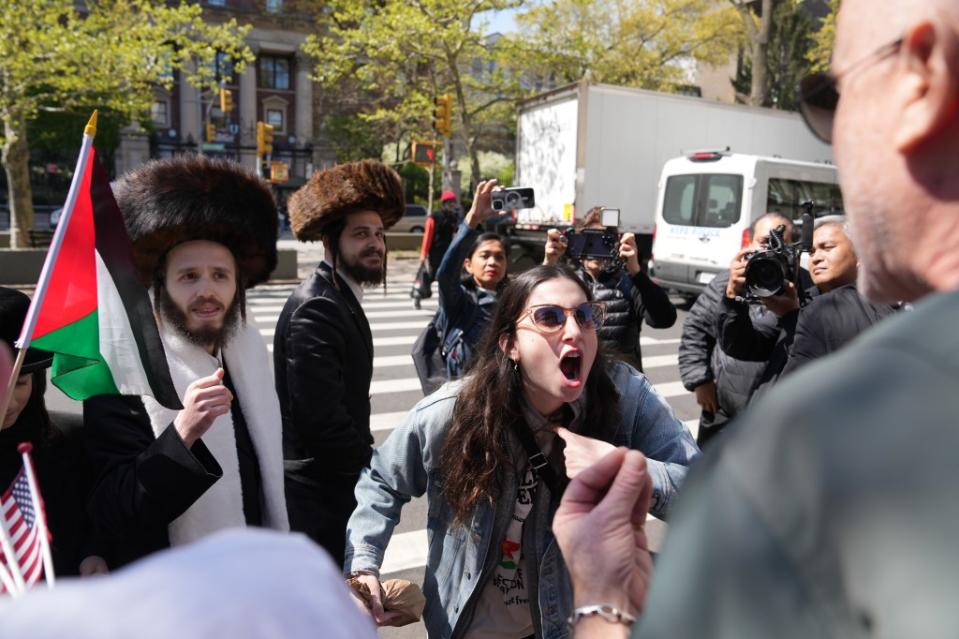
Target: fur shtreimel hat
332	194
168	202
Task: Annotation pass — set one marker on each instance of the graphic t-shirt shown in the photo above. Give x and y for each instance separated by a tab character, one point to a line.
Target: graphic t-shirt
502	611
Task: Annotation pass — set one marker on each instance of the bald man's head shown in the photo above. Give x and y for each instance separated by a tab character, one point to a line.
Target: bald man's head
896	136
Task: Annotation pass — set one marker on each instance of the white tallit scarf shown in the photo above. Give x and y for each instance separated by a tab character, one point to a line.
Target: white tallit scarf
247	361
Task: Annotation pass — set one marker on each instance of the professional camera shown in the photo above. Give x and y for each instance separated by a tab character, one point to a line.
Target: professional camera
768	271
517	197
598	244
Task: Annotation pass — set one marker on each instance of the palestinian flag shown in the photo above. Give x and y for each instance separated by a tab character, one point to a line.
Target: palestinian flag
89	308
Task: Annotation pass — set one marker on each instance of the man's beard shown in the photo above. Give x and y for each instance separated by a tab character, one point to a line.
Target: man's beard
206	336
362	274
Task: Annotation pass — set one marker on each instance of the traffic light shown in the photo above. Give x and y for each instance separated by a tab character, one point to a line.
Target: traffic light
424	153
443	115
210	132
226	101
264	138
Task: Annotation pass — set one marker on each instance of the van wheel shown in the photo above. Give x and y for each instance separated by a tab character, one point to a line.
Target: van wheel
416	229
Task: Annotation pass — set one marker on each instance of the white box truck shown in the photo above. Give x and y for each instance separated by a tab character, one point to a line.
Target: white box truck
588	145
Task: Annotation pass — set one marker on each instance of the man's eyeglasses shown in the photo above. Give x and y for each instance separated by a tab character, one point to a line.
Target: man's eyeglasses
819	92
549	318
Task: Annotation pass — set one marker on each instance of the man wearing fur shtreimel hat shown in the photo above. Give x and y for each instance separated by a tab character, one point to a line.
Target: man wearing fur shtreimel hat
203	232
323	347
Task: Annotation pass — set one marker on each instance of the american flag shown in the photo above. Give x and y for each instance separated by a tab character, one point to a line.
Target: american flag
20	519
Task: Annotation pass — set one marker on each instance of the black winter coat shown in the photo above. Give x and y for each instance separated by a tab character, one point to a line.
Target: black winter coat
829	322
64	479
701	362
769	341
323	362
143	482
629	300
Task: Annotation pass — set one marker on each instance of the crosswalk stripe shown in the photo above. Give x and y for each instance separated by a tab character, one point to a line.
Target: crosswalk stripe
402	340
392	360
405	551
386	421
402	385
670	389
659	361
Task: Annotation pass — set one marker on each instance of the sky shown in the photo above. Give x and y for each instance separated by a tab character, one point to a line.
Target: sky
501	21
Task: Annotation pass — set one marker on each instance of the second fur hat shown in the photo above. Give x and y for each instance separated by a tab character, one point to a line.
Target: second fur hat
332	194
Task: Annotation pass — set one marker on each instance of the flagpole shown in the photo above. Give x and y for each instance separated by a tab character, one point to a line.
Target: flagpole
7	580
39	514
29	324
11	556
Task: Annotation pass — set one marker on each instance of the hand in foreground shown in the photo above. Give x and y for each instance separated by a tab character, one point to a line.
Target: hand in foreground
629	253
206	399
582	452
93	565
482	209
706	397
600	528
555	247
380	616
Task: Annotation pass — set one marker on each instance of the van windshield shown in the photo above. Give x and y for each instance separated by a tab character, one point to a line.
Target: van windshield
711	200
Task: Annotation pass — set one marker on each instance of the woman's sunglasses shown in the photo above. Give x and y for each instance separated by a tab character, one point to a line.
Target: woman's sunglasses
549	318
819	93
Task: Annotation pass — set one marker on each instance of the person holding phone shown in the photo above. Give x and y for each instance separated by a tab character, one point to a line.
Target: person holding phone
630	296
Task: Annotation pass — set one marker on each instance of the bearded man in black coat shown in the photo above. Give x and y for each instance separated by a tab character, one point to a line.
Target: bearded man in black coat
323	347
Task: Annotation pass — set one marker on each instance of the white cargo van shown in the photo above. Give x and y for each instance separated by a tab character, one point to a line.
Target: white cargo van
707	201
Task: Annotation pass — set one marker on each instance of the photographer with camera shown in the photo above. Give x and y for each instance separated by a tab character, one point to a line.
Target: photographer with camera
469	278
737	334
722	383
619	282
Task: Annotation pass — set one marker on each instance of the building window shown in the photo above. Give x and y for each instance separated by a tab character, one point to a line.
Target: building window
275	118
274	72
223	67
159	113
274	6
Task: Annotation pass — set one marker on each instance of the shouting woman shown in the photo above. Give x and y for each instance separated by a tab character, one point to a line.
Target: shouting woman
492	453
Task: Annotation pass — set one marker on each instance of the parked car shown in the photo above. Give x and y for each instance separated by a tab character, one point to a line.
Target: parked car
413	221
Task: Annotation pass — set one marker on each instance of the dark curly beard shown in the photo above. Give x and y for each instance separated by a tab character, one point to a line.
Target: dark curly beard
206	337
360	274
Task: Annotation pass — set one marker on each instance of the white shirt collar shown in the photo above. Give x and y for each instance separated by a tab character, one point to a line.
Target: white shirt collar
355	288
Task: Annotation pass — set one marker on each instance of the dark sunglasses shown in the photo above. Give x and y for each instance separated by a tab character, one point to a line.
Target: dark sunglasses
549	318
819	93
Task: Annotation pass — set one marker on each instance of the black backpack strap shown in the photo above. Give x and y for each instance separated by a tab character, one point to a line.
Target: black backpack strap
538	461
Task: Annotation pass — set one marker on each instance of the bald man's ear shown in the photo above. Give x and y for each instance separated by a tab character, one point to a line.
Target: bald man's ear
929	86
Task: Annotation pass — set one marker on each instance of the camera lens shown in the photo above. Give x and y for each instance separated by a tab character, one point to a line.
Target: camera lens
512	199
765	276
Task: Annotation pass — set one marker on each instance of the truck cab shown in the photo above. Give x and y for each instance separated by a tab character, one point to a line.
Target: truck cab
707	201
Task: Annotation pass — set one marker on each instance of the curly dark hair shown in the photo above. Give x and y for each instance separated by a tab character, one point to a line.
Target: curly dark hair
488	408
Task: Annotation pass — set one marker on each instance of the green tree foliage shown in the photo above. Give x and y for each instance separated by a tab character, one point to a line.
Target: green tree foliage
64	56
790	40
642	43
400	54
821	52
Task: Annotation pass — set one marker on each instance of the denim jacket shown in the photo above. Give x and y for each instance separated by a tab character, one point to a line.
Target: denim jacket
461	559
